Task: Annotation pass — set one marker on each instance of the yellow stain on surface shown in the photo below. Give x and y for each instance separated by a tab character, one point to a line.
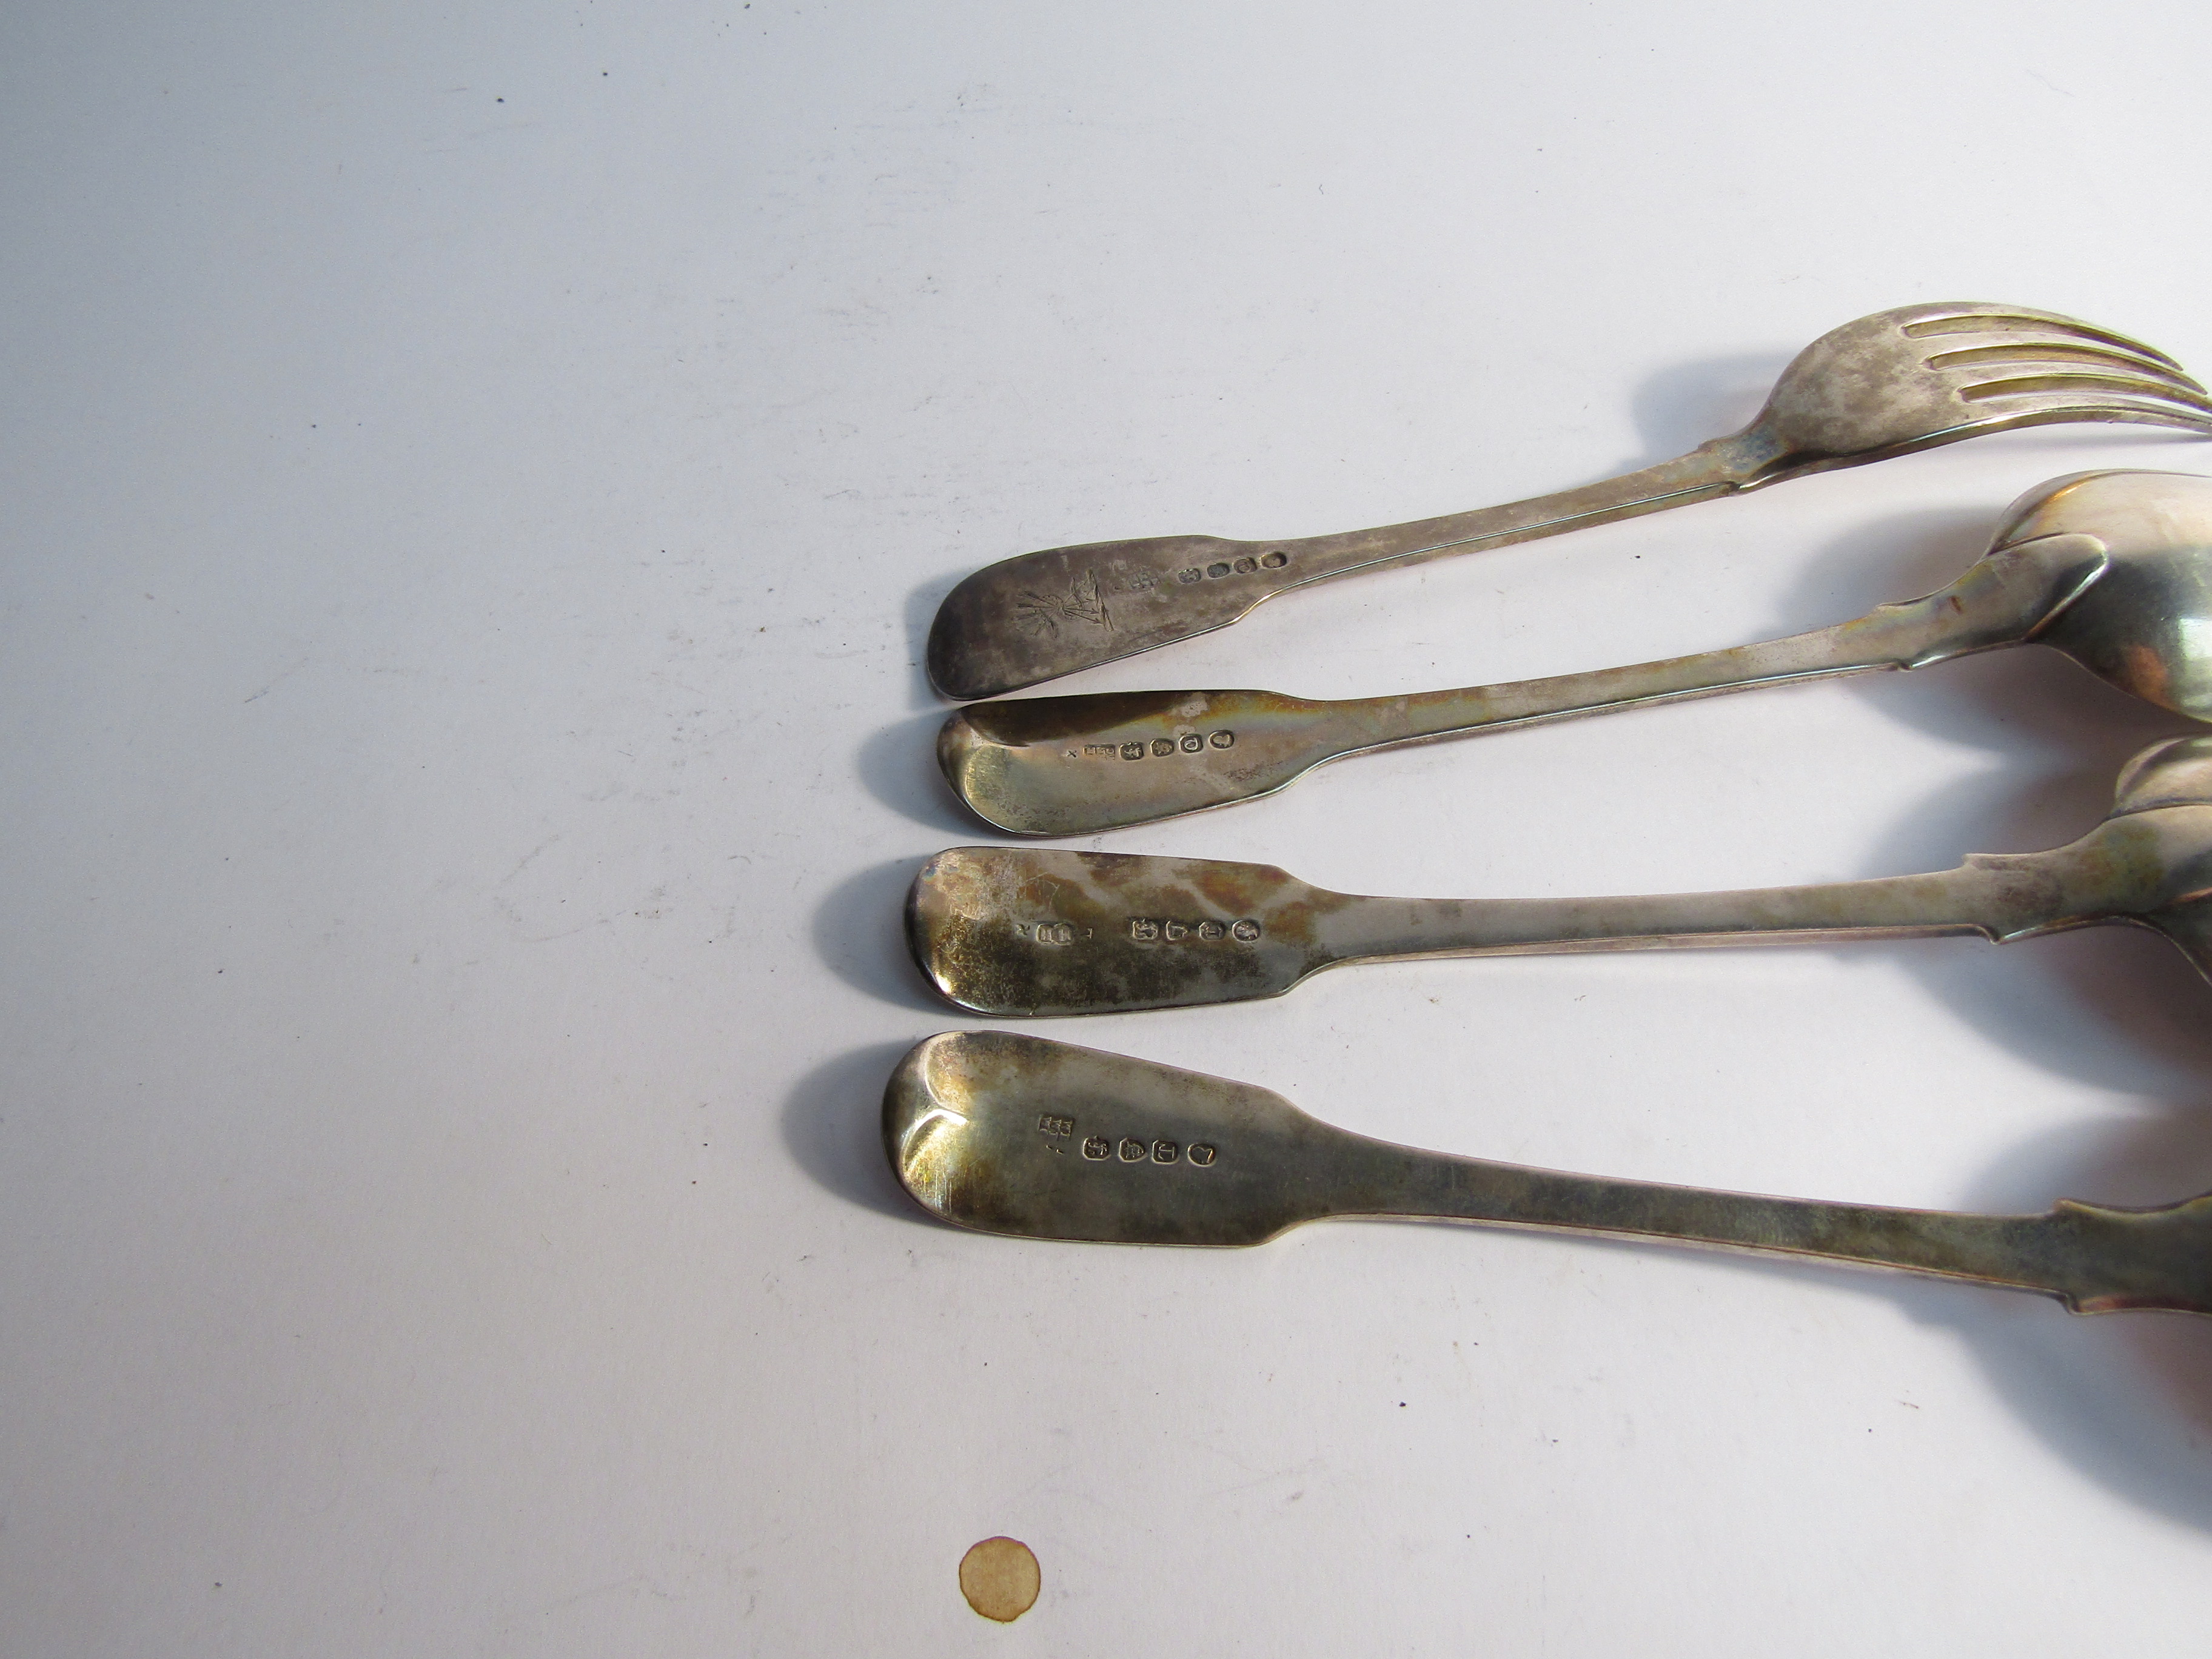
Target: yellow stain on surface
999	1579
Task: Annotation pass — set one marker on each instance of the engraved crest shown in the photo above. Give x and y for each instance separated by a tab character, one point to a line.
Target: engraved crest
1040	614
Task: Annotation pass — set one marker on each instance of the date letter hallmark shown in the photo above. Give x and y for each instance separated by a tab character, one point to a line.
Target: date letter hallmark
1040	614
1147	930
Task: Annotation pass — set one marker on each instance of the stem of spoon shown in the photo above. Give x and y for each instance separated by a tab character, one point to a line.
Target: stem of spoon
2094	1259
1995	897
2003	599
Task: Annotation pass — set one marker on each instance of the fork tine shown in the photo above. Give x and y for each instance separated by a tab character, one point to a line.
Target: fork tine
2014	409
1969	320
2080	384
2033	354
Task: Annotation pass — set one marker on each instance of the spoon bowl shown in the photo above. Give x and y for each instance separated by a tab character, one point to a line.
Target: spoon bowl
2145	623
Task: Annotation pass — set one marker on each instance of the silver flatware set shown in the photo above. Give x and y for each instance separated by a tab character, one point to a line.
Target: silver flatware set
1023	1136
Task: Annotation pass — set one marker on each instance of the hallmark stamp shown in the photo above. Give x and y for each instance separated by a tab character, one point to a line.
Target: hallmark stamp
1146	930
1055	1126
1130	1149
1243	567
1190	742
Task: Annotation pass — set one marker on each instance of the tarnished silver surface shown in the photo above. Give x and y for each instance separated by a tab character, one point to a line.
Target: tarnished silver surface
1886	384
1027	931
2113	568
1015	1134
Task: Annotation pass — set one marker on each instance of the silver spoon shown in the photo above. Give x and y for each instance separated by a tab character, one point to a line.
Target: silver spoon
2113	569
1014	1134
1029	931
1886	384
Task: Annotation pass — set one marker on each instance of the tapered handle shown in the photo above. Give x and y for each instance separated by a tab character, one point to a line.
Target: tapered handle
1994	897
1019	1134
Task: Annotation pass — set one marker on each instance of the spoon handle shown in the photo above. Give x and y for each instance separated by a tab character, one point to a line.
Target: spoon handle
2115	870
2096	1260
1032	765
2003	599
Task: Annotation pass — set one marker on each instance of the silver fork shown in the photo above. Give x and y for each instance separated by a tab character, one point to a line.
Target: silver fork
1886	385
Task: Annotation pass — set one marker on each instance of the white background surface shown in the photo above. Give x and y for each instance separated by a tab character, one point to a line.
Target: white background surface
475	480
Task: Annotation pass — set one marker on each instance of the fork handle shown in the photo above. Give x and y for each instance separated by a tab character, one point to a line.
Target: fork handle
2096	1260
1038	616
1716	468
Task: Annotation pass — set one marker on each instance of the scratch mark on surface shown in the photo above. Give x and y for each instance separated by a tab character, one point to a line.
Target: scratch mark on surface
527	860
279	681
